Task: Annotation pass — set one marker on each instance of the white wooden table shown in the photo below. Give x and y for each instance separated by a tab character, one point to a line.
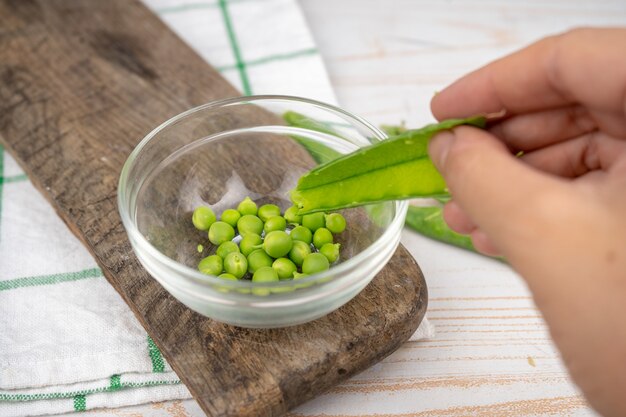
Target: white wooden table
492	354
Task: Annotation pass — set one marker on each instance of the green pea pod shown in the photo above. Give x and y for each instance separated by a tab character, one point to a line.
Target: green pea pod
296	119
429	222
393	169
320	153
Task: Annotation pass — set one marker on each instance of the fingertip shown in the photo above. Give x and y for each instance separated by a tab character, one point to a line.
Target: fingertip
463	156
456	218
436	106
467	96
483	244
490	186
438	148
444	103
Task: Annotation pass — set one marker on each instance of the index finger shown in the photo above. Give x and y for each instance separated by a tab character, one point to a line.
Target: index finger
584	66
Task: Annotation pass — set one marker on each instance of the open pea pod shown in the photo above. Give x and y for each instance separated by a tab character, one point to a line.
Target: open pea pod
296	119
394	169
319	152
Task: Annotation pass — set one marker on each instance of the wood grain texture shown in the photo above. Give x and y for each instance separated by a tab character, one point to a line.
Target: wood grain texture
81	82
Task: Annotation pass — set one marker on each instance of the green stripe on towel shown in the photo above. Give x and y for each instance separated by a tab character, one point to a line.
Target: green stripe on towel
116	383
13	178
158	365
193	6
80	403
272	58
9	397
49	279
241	66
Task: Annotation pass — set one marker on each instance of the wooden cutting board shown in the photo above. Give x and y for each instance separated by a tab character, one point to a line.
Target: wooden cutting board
81	82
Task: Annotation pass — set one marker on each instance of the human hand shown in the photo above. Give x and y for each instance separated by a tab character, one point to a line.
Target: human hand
558	212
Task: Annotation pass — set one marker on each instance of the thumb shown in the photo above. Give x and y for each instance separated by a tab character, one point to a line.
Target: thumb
507	199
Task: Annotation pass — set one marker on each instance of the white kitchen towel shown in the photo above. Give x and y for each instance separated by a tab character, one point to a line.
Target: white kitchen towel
67	340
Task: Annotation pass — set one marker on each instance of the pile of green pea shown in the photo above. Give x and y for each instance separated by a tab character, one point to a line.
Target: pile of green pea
272	246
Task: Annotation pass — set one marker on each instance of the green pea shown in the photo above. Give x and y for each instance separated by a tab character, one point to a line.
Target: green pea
249	243
299	251
284	268
231	216
227	276
321	237
291	215
275	223
200	248
247	207
203	217
297	276
211	265
250	224
330	251
277	243
313	221
236	263
335	222
282	290
264	274
302	234
268	210
261	291
314	263
221	232
225	248
258	259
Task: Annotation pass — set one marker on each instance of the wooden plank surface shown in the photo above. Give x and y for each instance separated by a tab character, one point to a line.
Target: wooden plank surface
492	354
81	82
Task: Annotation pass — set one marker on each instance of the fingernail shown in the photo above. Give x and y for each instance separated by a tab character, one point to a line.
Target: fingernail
439	146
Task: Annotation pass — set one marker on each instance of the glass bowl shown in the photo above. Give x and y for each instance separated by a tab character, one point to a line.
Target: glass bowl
216	155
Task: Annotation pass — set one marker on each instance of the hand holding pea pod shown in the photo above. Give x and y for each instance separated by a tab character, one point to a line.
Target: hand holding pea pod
558	212
425	220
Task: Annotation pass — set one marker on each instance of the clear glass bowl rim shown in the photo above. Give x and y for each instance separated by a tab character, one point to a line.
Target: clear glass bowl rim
197	277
